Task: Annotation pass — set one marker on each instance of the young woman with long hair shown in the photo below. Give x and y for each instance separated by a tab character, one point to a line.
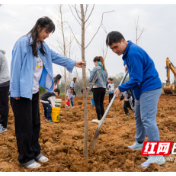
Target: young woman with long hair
99	75
56	81
31	67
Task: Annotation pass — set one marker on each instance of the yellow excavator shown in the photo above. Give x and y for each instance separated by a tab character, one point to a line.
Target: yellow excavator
170	88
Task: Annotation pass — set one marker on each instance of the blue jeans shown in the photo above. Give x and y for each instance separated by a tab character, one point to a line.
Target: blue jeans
71	99
47	110
145	115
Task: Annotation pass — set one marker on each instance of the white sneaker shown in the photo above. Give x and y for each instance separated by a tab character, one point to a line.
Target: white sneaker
96	121
154	159
72	107
2	130
33	165
136	146
43	159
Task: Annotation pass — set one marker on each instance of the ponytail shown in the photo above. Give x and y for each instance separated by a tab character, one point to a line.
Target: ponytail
100	59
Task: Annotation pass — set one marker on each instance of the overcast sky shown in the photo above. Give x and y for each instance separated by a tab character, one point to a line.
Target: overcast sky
158	39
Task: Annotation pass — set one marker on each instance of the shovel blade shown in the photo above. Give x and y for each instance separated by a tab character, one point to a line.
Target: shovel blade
94	140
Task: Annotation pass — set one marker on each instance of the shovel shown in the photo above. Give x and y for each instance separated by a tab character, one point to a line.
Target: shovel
94	140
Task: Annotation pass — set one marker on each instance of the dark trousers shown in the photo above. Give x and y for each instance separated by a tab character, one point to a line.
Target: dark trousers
27	127
98	96
126	105
110	97
47	110
4	107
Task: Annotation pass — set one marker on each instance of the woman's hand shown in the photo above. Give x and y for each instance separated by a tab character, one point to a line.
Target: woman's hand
80	63
117	92
16	98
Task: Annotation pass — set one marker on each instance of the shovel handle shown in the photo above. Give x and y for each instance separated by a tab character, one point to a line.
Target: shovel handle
95	138
109	106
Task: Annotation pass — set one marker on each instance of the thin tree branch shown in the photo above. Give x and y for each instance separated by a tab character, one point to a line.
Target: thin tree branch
76	8
87	5
104	28
90	13
74	35
137	28
87	26
77	11
98	28
74	15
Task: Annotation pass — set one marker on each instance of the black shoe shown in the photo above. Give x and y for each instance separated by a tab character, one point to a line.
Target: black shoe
127	114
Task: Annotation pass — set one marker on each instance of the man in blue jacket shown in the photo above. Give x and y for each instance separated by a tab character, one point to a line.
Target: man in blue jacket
146	85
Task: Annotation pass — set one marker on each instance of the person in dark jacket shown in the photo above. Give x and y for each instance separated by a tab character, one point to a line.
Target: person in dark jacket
48	101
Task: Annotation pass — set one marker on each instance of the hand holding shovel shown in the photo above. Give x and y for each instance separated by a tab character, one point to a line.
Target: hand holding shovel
94	140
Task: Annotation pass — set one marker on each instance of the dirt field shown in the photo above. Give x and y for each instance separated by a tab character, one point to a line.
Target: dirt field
62	142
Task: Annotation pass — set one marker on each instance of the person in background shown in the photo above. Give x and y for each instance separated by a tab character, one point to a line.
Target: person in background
48	101
87	91
56	81
110	88
70	96
128	101
4	91
99	76
72	85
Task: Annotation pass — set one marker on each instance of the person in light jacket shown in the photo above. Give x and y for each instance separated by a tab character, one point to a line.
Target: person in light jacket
4	90
31	67
99	76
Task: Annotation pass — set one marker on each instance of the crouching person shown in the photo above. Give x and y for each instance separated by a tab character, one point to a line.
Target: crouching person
48	101
128	101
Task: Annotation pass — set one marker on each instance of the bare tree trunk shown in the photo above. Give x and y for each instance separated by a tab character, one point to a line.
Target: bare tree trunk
138	29
64	49
85	151
65	92
82	21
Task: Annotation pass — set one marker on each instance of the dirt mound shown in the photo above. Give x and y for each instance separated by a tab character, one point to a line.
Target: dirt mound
62	142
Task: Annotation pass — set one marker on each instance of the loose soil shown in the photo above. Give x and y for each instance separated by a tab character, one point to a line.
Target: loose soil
62	142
